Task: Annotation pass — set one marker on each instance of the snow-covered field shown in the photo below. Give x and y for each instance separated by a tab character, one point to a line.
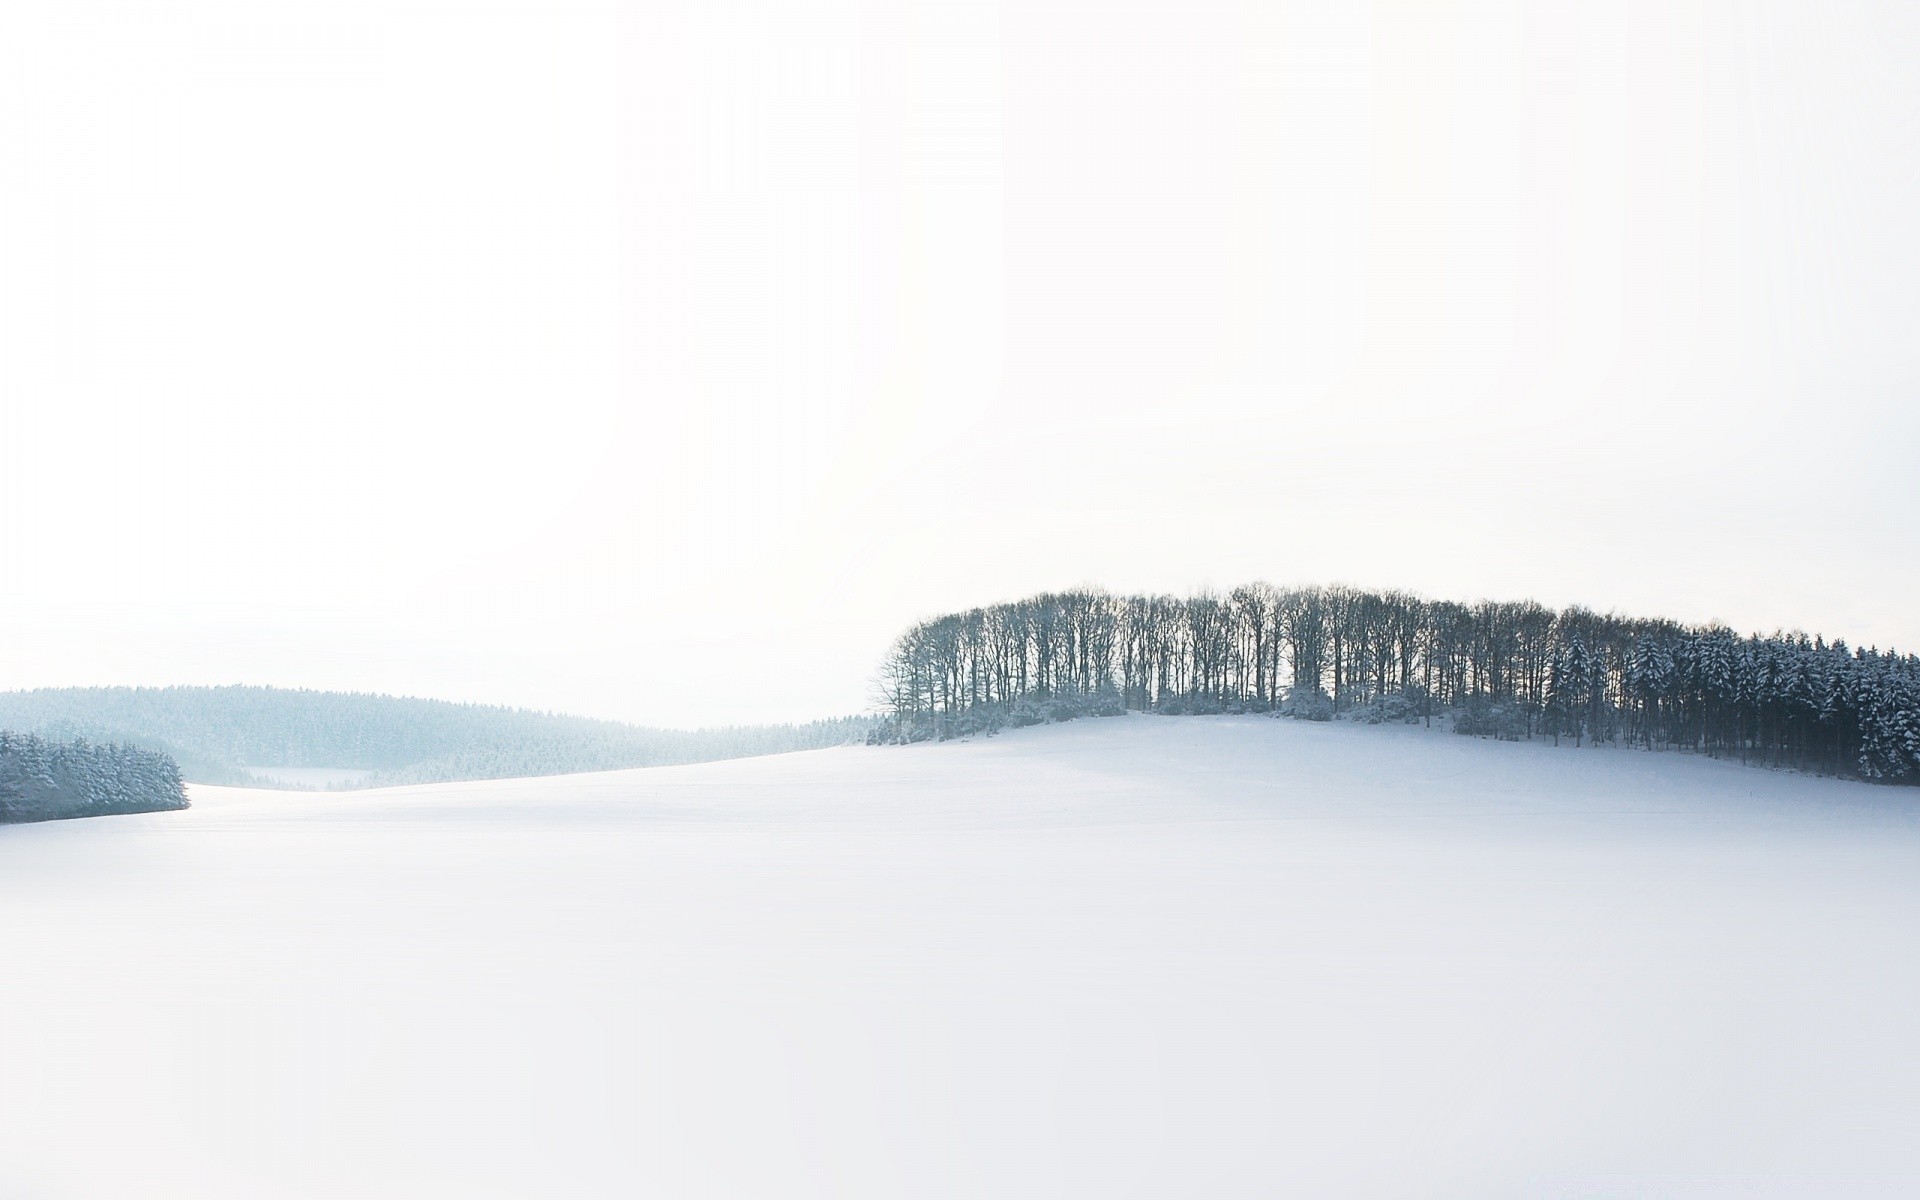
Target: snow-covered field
1140	957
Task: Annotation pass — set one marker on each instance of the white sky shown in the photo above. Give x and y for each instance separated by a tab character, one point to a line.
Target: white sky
661	361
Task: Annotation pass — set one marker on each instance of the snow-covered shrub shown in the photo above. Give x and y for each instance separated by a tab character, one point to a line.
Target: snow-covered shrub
985	719
1482	717
901	733
1067	706
1308	704
1064	706
1027	710
1394	708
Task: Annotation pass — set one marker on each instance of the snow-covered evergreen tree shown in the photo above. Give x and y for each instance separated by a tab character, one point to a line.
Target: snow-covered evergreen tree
42	780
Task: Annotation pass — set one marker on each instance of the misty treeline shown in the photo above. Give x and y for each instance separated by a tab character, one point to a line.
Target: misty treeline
609	746
1506	670
42	780
217	733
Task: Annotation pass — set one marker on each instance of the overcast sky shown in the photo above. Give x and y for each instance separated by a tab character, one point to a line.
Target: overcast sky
662	363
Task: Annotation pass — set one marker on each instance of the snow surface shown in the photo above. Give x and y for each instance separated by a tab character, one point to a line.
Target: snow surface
1135	957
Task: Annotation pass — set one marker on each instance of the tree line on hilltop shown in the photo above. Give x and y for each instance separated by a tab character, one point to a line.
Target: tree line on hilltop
1499	669
43	780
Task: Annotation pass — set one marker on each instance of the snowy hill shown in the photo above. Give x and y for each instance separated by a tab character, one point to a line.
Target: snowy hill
1135	957
280	737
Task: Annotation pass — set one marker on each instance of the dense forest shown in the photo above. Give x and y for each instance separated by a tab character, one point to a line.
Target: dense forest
217	734
42	780
1506	670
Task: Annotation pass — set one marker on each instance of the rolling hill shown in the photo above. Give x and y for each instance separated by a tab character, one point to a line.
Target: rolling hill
1134	957
247	735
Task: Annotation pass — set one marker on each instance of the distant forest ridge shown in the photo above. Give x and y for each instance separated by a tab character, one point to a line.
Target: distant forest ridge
216	734
1508	670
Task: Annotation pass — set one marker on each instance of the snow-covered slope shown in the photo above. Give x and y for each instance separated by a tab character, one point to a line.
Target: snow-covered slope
1141	957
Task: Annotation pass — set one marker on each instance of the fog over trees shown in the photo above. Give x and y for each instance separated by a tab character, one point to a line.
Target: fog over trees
43	780
1499	669
218	733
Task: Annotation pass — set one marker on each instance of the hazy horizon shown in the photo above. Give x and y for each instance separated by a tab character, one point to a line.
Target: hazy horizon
866	706
662	366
